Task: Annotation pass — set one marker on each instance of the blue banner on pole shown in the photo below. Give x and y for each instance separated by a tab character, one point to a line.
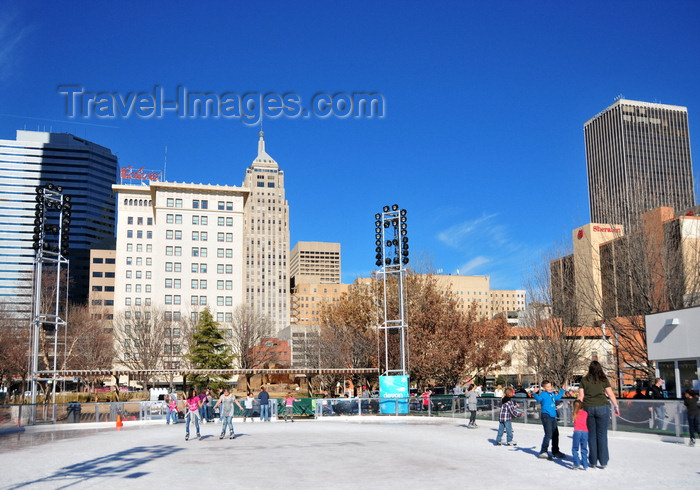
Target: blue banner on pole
393	387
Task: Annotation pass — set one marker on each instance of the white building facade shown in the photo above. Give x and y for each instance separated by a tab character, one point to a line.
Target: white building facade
180	249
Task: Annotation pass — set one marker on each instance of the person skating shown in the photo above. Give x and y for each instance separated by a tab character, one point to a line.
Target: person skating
471	406
193	403
226	401
548	415
508	410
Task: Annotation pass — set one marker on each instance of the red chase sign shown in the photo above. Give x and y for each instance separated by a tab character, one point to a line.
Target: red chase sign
128	173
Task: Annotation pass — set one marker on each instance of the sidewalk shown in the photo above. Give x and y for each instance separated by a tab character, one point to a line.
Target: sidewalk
336	452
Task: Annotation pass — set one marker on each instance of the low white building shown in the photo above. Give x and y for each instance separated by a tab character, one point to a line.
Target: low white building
673	342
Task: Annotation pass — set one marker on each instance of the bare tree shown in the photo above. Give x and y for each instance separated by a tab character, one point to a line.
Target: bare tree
250	328
14	345
555	347
88	342
142	339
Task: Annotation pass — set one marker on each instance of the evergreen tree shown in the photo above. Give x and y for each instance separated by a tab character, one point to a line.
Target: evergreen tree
209	350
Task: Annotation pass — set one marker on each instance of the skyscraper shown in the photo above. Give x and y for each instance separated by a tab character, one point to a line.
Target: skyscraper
86	171
315	262
638	158
266	230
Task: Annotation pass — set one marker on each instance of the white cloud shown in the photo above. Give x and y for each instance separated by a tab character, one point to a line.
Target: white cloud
475	263
11	37
456	235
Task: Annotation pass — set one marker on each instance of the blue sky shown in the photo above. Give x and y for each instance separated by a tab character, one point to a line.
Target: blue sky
482	136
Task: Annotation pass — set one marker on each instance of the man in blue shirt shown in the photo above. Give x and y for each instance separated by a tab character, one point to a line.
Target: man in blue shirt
264	399
548	416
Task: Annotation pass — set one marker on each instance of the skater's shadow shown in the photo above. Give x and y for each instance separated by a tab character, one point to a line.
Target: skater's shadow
535	452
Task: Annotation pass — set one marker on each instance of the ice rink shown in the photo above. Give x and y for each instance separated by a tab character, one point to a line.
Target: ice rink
336	452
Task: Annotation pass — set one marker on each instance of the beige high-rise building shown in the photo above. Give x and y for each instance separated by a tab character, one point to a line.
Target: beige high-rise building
315	262
266	249
470	289
305	319
575	279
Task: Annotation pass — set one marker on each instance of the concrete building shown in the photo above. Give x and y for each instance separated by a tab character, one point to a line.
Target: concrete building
266	249
508	302
673	342
102	279
86	171
476	289
664	256
180	249
575	279
638	158
305	319
315	262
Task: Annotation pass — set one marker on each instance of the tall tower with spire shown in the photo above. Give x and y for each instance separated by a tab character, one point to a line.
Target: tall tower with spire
266	249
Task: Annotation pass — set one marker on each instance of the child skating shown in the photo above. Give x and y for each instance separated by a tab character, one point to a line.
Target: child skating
508	410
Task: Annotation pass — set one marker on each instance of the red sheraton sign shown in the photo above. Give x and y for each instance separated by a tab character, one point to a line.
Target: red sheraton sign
140	174
606	230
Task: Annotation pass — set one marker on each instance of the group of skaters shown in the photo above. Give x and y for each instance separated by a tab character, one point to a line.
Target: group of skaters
200	408
591	414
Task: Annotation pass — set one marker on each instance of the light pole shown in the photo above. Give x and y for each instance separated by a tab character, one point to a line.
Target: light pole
51	247
391	240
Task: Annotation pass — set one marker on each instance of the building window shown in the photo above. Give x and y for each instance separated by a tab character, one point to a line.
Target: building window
170	202
195	204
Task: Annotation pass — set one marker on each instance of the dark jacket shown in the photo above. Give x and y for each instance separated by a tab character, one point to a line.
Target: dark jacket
656	392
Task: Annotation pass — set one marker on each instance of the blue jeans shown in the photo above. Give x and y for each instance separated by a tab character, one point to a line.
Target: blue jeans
195	416
508	426
551	433
598	418
265	412
580	442
172	416
203	411
226	422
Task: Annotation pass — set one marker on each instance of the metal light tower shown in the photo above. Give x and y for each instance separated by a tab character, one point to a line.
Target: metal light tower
51	245
392	256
